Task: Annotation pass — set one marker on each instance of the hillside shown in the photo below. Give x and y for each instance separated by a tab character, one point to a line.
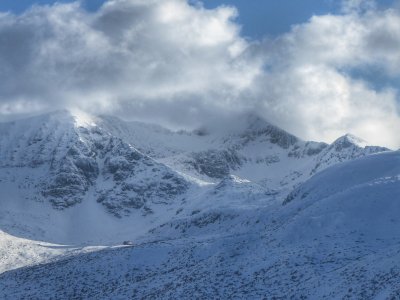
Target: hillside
252	209
335	238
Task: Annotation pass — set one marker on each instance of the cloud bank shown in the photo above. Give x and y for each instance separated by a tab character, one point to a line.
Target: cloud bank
181	64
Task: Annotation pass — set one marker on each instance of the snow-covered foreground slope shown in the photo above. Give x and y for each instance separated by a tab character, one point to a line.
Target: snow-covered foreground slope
335	237
17	252
225	206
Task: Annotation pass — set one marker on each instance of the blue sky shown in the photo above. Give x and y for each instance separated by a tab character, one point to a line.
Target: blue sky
21	5
271	17
258	17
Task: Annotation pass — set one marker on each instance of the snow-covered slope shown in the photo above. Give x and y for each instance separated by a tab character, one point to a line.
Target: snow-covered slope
194	203
72	170
345	148
336	238
253	149
88	166
66	180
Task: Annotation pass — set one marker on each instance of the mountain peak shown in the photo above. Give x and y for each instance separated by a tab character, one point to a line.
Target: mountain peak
82	119
74	117
256	126
254	121
348	140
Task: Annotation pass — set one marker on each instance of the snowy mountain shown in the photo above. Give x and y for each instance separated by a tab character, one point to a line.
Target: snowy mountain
250	208
254	149
54	163
329	241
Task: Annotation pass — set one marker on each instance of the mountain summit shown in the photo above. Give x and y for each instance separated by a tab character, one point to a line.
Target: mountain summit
349	140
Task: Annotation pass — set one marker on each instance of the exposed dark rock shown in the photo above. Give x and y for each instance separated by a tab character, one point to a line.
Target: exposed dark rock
216	163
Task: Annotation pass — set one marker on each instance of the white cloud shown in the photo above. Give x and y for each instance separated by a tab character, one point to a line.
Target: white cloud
310	88
357	6
130	54
174	62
